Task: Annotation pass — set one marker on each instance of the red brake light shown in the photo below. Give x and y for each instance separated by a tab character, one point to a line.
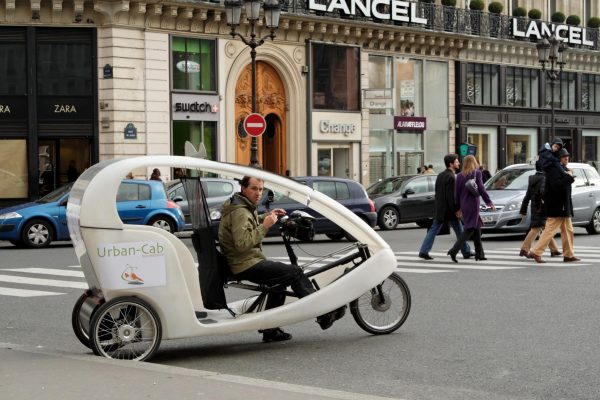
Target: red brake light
172	204
372	205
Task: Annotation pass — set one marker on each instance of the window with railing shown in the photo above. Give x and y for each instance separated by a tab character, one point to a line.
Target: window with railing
521	87
590	92
564	91
482	84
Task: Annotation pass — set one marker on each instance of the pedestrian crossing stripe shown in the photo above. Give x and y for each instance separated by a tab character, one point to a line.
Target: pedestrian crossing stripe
407	262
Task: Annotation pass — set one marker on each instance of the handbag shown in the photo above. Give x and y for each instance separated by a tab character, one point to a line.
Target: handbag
471	186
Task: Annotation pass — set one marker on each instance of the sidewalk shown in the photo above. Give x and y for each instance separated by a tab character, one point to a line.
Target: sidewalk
30	374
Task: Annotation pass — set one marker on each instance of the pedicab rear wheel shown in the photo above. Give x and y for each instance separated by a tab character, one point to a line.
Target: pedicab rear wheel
125	328
78	328
384	308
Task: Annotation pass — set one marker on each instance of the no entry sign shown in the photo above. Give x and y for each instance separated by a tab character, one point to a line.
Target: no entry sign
255	124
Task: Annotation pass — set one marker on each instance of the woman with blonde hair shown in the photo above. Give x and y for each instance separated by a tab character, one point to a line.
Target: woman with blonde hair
469	207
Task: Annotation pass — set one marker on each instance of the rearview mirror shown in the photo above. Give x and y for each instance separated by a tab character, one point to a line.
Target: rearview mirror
408	191
270	196
177	199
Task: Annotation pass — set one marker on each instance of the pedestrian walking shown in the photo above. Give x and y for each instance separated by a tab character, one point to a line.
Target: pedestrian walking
446	208
534	195
469	207
559	209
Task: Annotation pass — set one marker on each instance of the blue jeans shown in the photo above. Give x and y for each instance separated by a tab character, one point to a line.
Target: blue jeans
457	227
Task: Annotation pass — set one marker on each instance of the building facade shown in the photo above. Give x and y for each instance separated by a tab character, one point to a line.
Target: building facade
346	90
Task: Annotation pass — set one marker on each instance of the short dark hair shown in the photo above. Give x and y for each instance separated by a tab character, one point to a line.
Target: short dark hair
449	159
246	181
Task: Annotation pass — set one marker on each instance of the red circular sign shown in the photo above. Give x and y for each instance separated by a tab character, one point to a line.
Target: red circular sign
255	124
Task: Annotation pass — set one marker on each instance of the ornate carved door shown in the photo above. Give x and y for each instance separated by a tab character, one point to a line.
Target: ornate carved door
271	103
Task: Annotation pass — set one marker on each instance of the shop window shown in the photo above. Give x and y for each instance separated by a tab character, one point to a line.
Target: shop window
64	68
13	67
590	143
408	83
196	132
518	149
482	84
336	77
194	64
521	87
13	169
380	72
564	91
590	92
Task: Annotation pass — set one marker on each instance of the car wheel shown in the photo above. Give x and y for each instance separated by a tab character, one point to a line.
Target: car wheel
424	223
37	233
594	227
335	236
388	218
163	222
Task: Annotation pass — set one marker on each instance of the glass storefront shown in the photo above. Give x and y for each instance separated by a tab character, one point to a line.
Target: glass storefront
485	138
336	77
194	64
196	132
13	169
521	145
420	89
590	143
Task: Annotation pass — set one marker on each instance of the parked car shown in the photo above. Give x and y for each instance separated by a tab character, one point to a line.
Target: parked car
348	192
216	190
38	223
507	189
402	199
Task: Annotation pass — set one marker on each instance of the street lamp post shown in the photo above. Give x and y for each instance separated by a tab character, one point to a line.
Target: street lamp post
551	55
233	11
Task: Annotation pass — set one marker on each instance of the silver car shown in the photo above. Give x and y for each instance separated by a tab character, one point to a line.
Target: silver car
507	189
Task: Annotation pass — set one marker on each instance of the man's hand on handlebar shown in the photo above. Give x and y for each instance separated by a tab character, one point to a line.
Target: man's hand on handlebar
271	219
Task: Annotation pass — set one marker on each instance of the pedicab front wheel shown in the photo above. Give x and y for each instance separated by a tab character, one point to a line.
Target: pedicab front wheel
80	331
125	328
384	308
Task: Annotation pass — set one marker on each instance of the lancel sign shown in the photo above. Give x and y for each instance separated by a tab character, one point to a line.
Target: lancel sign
394	10
566	33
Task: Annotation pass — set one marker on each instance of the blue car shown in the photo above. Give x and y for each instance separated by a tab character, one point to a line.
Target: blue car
38	223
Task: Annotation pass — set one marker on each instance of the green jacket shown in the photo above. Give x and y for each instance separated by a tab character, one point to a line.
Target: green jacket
241	233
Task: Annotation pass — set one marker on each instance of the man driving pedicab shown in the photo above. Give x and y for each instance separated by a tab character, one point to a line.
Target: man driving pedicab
241	232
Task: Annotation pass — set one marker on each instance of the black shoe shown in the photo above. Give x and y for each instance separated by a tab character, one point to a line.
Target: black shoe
275	335
469	255
425	256
452	256
326	320
482	258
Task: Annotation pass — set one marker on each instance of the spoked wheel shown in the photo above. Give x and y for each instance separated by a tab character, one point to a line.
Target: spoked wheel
384	308
125	328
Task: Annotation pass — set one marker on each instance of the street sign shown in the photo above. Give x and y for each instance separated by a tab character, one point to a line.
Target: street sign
255	124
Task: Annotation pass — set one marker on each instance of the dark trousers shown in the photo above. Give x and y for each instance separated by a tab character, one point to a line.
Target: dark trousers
271	273
473	233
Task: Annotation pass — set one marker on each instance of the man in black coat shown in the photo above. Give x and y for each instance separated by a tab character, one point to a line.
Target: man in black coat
559	209
446	208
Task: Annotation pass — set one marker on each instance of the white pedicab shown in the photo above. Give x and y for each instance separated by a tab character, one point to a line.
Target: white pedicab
144	284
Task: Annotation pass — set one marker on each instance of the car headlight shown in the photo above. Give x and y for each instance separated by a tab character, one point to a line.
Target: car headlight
514	206
10	215
215	215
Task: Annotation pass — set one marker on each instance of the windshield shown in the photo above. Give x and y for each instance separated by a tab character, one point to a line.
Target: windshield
510	179
55	195
387	186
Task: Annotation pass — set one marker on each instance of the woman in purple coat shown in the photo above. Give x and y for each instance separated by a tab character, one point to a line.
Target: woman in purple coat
469	208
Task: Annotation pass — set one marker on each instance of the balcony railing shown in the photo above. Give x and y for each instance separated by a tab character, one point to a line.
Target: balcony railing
448	19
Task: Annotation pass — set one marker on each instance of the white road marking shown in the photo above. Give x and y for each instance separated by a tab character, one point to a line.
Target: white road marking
25	292
47	271
43	282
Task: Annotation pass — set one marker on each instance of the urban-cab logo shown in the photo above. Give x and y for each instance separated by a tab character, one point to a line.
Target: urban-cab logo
143	249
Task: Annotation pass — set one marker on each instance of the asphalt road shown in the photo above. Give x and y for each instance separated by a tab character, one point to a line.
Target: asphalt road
506	328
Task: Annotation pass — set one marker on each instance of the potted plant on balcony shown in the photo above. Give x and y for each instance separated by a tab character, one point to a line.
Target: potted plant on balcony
593	22
573	20
535	14
495	8
558	17
475	7
520	13
449	12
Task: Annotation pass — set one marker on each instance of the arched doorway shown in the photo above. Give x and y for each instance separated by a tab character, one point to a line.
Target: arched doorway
271	103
